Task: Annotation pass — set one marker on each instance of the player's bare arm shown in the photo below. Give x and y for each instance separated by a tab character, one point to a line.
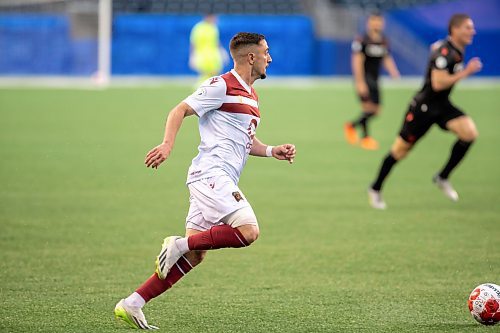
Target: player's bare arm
390	66
441	79
160	153
282	152
358	71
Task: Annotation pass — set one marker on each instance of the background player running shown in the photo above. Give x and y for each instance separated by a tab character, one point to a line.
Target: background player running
369	52
219	214
431	105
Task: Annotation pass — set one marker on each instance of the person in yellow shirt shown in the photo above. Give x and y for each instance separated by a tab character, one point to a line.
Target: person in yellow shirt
206	55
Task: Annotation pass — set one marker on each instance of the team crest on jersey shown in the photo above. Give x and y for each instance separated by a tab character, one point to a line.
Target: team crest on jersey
237	196
356	46
441	62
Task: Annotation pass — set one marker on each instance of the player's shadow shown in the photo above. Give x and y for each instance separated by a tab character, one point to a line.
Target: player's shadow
460	327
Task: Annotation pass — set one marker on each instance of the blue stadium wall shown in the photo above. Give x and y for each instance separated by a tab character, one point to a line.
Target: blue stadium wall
159	44
42	44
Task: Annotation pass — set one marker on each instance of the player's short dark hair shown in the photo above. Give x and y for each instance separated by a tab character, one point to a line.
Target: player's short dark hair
244	39
376	13
456	20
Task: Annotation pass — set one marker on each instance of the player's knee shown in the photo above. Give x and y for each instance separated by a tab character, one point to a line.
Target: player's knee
469	135
402	154
245	221
250	232
400	151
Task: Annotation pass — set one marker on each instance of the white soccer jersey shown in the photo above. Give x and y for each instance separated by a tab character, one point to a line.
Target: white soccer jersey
229	115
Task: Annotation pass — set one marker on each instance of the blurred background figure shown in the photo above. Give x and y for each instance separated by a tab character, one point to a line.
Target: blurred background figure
369	52
431	105
206	56
117	38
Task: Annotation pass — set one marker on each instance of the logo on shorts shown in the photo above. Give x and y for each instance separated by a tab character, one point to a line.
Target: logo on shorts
237	196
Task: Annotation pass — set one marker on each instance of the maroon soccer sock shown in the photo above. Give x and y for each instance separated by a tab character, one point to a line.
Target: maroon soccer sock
154	287
218	237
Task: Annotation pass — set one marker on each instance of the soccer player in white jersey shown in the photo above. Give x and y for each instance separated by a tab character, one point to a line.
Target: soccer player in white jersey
219	214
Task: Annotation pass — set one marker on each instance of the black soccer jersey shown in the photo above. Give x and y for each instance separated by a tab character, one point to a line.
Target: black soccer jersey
445	57
374	52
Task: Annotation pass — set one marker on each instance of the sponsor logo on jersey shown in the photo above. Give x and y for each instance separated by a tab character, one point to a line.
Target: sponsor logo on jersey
201	92
195	173
374	50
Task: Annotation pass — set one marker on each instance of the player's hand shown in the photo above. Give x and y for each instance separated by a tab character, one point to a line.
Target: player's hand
157	155
284	152
362	89
396	75
474	65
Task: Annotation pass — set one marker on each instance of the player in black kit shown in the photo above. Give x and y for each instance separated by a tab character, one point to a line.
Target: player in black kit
432	106
369	52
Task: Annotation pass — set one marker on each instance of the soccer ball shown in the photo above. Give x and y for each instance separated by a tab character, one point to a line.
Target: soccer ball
484	303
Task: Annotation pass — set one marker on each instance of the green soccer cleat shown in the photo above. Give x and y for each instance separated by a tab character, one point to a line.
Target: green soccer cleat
133	316
168	256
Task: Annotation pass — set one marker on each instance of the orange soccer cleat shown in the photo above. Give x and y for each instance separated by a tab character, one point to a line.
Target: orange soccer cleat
369	143
350	134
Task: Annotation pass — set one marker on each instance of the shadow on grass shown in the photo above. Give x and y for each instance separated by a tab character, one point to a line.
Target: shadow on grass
451	326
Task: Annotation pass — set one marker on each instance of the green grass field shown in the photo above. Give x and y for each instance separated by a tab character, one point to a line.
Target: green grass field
82	219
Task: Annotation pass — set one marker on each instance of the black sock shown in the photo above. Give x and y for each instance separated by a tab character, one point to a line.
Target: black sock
386	167
457	154
363	121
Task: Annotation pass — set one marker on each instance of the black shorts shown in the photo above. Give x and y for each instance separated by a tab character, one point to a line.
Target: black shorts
373	92
421	116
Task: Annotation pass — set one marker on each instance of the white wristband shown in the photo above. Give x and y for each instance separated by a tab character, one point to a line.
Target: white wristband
269	151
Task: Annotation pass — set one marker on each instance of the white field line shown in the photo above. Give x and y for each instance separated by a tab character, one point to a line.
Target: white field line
294	82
